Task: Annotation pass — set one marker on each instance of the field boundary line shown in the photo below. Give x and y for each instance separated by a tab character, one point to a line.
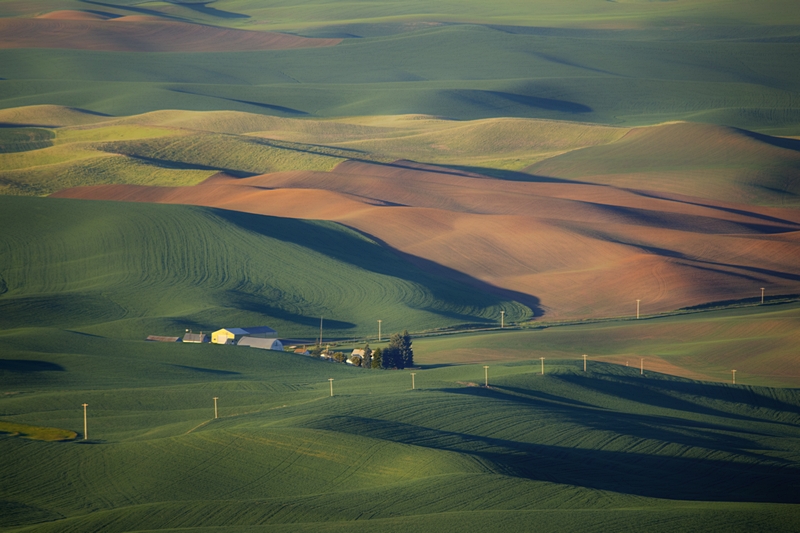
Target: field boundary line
198	426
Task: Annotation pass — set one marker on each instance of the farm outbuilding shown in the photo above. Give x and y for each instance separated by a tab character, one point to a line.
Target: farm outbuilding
162	338
230	335
196	338
264	344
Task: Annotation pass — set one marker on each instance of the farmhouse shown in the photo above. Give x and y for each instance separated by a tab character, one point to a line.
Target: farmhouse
195	338
264	344
229	335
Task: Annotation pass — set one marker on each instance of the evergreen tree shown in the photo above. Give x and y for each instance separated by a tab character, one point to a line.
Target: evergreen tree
376	358
406	351
367	361
389	357
399	354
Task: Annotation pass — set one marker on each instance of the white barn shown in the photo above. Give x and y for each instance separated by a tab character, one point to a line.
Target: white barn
264	344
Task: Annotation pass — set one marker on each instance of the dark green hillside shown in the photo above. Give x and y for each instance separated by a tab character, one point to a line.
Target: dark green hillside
464	71
24	139
128	270
605	450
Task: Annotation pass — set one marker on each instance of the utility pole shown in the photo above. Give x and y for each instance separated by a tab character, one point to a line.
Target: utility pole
641	367
216	415
486	376
637	309
85	426
542	358
734	376
320	331
502	319
584	362
331	380
762	295
379	330
412	380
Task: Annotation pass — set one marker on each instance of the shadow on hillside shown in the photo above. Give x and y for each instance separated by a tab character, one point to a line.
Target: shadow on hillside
513	175
663	394
711	266
202	7
737	479
494	99
179	165
742	212
207	370
683	431
779	142
269	107
26	366
366	252
137	10
689	223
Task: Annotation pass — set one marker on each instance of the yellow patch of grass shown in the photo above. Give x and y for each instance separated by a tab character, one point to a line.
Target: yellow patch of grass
115	132
37	432
97	170
506	143
52	155
49	116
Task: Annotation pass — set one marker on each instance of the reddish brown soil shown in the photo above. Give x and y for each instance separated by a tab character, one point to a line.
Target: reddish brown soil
582	250
69	14
86	31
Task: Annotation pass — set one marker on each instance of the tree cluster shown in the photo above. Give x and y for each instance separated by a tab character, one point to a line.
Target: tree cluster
399	354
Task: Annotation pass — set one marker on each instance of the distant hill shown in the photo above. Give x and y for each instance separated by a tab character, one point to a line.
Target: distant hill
138	33
629	63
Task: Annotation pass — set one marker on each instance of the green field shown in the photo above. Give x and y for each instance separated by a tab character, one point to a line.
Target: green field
607	450
131	270
754	340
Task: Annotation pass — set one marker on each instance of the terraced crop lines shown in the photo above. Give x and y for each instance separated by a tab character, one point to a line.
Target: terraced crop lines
114	274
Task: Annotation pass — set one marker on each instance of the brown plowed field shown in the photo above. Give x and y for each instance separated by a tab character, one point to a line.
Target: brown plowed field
580	249
70	14
139	34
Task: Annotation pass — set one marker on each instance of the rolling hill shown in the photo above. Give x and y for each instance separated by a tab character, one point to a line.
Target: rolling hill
129	270
82	30
675	215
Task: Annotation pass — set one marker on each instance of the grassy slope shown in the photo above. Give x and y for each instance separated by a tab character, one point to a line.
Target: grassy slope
690	159
113	152
602	208
532	451
183	148
128	270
